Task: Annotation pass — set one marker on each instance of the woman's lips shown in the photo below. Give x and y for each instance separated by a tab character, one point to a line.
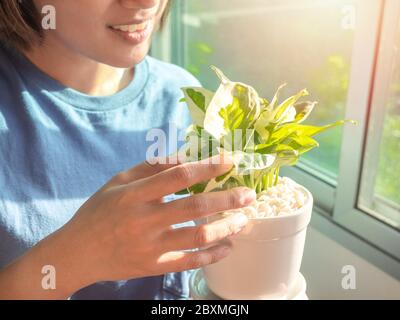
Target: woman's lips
134	33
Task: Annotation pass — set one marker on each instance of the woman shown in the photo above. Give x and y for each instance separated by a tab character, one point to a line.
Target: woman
76	103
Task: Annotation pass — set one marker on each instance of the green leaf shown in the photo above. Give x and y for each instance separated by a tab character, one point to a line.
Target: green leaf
287	157
232	182
285	112
301	144
182	192
303	110
277	95
277	137
218	182
199	145
301	130
232	115
247	100
197	100
245	162
198	188
267	116
262	123
264	103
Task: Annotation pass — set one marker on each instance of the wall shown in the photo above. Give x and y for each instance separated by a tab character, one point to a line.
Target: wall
322	265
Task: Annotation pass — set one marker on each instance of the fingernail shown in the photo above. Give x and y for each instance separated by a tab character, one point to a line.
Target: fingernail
240	219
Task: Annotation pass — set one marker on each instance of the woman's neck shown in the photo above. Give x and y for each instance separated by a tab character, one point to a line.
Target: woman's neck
78	72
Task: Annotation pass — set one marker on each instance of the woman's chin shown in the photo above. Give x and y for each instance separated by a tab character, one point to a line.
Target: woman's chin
124	57
121	49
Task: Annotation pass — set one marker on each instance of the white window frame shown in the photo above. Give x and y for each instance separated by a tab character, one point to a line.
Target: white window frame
374	34
372	203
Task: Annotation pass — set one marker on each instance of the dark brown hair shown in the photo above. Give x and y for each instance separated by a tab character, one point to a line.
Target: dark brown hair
20	23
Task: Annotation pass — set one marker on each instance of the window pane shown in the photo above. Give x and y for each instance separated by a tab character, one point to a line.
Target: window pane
305	43
380	192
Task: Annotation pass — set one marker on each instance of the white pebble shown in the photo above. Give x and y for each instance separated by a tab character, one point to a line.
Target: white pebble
282	199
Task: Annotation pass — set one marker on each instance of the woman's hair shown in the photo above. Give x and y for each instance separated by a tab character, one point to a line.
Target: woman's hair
20	25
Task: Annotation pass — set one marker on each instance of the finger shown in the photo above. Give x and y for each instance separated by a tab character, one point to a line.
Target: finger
143	170
201	205
203	235
153	166
180	261
177	178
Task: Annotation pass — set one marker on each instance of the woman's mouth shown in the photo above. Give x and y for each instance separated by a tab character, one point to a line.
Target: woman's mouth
134	33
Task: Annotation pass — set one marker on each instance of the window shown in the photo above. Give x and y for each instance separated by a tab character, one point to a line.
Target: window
307	44
380	191
347	53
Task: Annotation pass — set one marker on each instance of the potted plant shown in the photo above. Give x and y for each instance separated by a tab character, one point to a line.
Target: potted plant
259	136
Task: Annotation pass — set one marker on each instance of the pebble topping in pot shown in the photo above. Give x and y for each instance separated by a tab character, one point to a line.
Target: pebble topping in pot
283	199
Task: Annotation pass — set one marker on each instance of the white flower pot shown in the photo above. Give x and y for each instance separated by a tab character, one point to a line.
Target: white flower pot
265	259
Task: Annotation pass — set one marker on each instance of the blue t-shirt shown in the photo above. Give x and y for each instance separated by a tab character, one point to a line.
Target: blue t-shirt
59	146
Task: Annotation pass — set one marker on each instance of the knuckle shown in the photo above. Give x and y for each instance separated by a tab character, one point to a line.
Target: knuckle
203	236
214	168
125	199
119	177
195	205
226	228
200	259
235	199
184	174
213	257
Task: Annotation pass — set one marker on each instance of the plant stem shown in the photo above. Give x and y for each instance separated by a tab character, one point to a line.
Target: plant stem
253	185
270	178
259	182
264	182
258	188
247	142
276	176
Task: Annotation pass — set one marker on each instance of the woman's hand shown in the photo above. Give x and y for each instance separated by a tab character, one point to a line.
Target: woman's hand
124	230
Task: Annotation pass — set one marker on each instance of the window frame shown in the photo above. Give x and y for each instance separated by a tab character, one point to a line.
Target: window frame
375	203
365	93
336	210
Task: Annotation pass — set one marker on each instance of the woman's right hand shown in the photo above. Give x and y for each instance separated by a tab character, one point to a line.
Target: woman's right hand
124	230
